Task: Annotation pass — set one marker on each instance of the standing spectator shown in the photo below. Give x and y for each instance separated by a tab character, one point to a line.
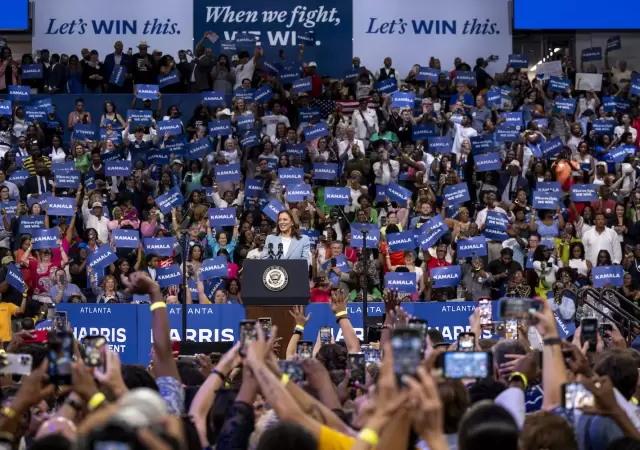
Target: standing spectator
201	65
143	66
117	58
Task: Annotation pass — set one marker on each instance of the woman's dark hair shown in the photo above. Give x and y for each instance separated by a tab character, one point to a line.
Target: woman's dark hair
580	246
286	436
223	252
487	425
455	402
113	106
538	254
135	376
231	280
619	365
226	58
295	229
566	270
608	262
224	400
334	358
201	252
393	228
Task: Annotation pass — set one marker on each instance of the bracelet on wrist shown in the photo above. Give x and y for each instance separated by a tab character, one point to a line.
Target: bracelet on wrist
284	379
219	374
341	313
552	341
522	377
157	305
95	401
369	436
341	318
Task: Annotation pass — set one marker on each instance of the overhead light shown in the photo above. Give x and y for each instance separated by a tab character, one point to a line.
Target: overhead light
533	69
556	50
544	59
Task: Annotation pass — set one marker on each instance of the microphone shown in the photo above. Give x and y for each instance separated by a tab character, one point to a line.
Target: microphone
280	248
271	255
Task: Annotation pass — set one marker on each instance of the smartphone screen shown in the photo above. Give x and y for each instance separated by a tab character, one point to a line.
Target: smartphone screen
356	367
519	308
466	365
94	352
265	323
60	349
589	327
325	334
51	312
293	369
371	355
466	342
486	312
407	345
512	329
305	349
575	395
247	332
334	262
60	321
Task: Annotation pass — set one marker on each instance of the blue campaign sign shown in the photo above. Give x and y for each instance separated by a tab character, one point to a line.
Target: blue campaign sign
118	75
449	276
431	232
293	150
592	54
222	217
315	131
519	61
263	94
428	74
199	148
357	237
253	186
172	199
115	155
169	78
306	114
507	133
205	323
14	277
6	107
544	200
33	113
117	168
614	43
603	126
28	224
341	263
213	98
618	154
496	221
159	246
289	74
494	97
549	186
439	144
45	238
227	172
325	171
388	86
512	119
301	85
31	71
291	175
558	84
584	193
140	117
401	281
126	238
458	193
313	235
401	241
169	276
487	161
403	99
147	91
61	206
44	103
245	122
466	77
84	131
10	207
101	258
116	322
172	127
398	193
635	84
63	167
564	105
250	139
20	93
482	144
298	192
308	38
603	275
471	247
214	268
609	104
337	196
272	209
244	93
552	148
422	132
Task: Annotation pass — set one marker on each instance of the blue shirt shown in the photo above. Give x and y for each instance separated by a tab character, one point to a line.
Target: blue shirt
69	290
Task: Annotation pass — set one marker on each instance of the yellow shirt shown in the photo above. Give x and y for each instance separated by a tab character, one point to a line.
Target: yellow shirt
333	440
7	311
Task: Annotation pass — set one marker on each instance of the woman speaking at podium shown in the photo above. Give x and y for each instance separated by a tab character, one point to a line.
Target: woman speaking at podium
287	243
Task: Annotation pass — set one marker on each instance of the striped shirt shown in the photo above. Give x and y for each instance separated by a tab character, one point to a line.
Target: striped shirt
28	164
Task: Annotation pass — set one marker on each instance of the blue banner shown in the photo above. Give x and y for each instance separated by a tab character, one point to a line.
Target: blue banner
544	200
45	238
159	246
618	154
101	258
64	166
458	193
431	232
401	241
289	74
33	114
115	155
222	217
603	126
404	282
612	275
29	224
20	93
31	71
84	131
272	209
357	237
341	263
315	131
172	199
220	128
118	75
61	206
402	99
614	43
6	108
482	144
199	148
147	91
519	61
244	93
487	161
466	77
337	196
325	171
428	74
291	175
398	193
306	114
263	94
564	105
117	168
250	139
227	172
216	267
592	54
473	246
549	186
388	86
439	144
293	150
14	277
172	127
140	117
298	192
313	235
126	238
253	186
169	276
449	276
301	85
245	122
496	226
507	134
494	97
610	104
584	193
213	98
423	132
557	84
169	78
552	148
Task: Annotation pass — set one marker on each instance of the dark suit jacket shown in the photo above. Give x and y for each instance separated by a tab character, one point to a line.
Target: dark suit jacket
504	180
31	186
57	77
110	63
202	75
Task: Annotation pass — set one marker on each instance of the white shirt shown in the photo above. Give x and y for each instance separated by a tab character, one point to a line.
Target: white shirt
286	243
617	131
343	145
14	192
460	134
360	119
270	123
57	155
622	79
256	253
594	242
386	173
244	71
100	224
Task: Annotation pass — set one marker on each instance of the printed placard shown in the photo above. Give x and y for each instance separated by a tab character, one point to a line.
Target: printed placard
558	84
401	281
159	246
217	267
544	200
428	74
126	238
272	209
446	276
28	224
118	75
213	98
147	91
603	275
20	93
584	193
315	131
337	196
614	43
45	238
301	85
357	237
61	206
171	127
14	277
423	132
466	77
101	258
482	144
519	61
222	217
172	199
401	241
291	175
487	162
298	193
325	171
592	54
458	193
471	247
439	144
227	172
117	168
169	276
397	193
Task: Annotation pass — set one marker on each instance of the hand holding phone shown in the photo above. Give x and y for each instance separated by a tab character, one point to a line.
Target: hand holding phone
589	332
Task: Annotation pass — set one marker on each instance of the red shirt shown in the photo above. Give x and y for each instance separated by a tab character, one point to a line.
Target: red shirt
434	263
319	296
316	84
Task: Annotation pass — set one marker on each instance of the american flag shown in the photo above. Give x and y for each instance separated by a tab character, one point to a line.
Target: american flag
213	37
326	107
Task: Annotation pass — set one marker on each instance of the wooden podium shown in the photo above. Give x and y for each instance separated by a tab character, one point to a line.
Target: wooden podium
271	288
